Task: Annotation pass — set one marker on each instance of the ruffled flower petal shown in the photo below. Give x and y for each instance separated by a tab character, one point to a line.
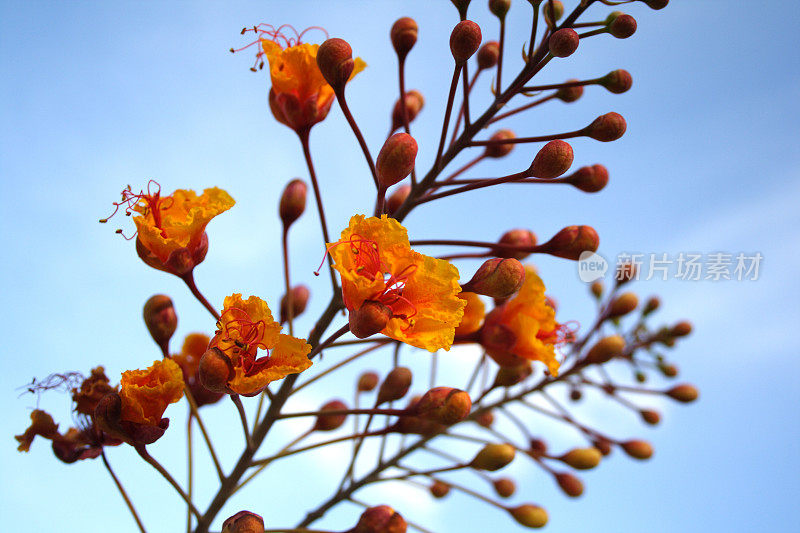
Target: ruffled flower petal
145	394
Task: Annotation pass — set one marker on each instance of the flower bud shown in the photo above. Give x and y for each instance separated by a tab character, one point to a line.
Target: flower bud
332	421
529	515
499	8
396	159
215	370
485	419
439	489
397	198
656	4
589	179
552	10
569	94
597	289
335	62
508	376
369	319
498	278
493	457
681	329
395	386
650	416
563	42
414	104
500	149
380	519
571	242
653	303
626	271
638	449
685	393
488	55
605	349
504	487
516	237
444	405
575	394
669	371
464	40
300	295
622	26
617	81
367	382
293	202
602	444
243	522
553	159
570	484
160	319
622	305
538	448
640	376
607	128
404	36
582	458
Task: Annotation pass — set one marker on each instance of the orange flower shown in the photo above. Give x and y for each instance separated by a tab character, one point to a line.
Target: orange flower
146	393
524	328
171	232
194	346
473	314
377	264
244	328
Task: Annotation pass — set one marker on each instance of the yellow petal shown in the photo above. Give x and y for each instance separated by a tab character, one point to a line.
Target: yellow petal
146	393
289	356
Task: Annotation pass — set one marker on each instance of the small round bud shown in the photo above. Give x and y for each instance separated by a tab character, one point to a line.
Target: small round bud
485	419
499	8
369	319
650	416
638	449
300	296
530	515
367	382
380	519
538	447
160	318
504	487
653	303
597	289
575	395
508	376
582	458
681	329
570	484
397	198
404	35
516	237
243	522
293	202
656	4
215	370
669	371
570	94
606	349
571	242
488	55
500	149
439	489
563	42
685	393
335	61
332	421
622	305
464	40
617	81
552	10
602	444
589	179
414	104
493	457
622	26
396	159
552	160
640	376
395	386
497	278
607	128
444	405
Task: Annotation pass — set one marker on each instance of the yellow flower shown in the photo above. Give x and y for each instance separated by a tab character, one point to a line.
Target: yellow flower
145	394
376	263
244	328
473	314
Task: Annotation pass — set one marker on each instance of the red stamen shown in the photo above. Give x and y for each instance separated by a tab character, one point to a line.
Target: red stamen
365	253
267	32
247	339
144	203
562	334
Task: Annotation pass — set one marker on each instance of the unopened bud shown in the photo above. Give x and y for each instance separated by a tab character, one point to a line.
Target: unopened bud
331	421
564	42
493	457
504	487
681	329
607	128
653	303
485	419
575	395
335	62
582	458
570	484
397	198
499	8
571	242
369	319
508	376
538	447
444	405
669	371
498	278
500	149
530	515
606	349
638	449
160	319
243	522
404	36
617	81
622	26
602	444
215	370
367	382
622	305
488	55
656	4
395	386
685	393
569	94
552	160
414	104
396	159
650	416
300	295
293	202
626	271
597	289
439	489
552	10
380	519
464	40
589	179
516	237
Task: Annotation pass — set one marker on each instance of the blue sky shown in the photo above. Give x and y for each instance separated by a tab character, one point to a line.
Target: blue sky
97	95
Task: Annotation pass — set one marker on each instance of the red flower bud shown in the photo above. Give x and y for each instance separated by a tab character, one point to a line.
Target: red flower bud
444	405
650	416
497	278
439	489
380	519
160	319
582	458
367	382
622	26
404	36
564	42
397	198
499	8
300	295
243	522
656	4
552	10
396	159
516	237
485	419
395	386
335	62
530	515
622	305
333	421
293	202
617	81
504	487
414	104
570	484
553	159
589	179
571	242
499	149
607	128
605	349
464	40
488	55
570	94
493	457
508	376
215	370
638	449
681	329
369	319
685	393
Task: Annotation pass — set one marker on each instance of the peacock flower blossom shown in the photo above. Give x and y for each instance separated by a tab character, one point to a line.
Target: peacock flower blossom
171	232
377	264
525	328
194	346
244	328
